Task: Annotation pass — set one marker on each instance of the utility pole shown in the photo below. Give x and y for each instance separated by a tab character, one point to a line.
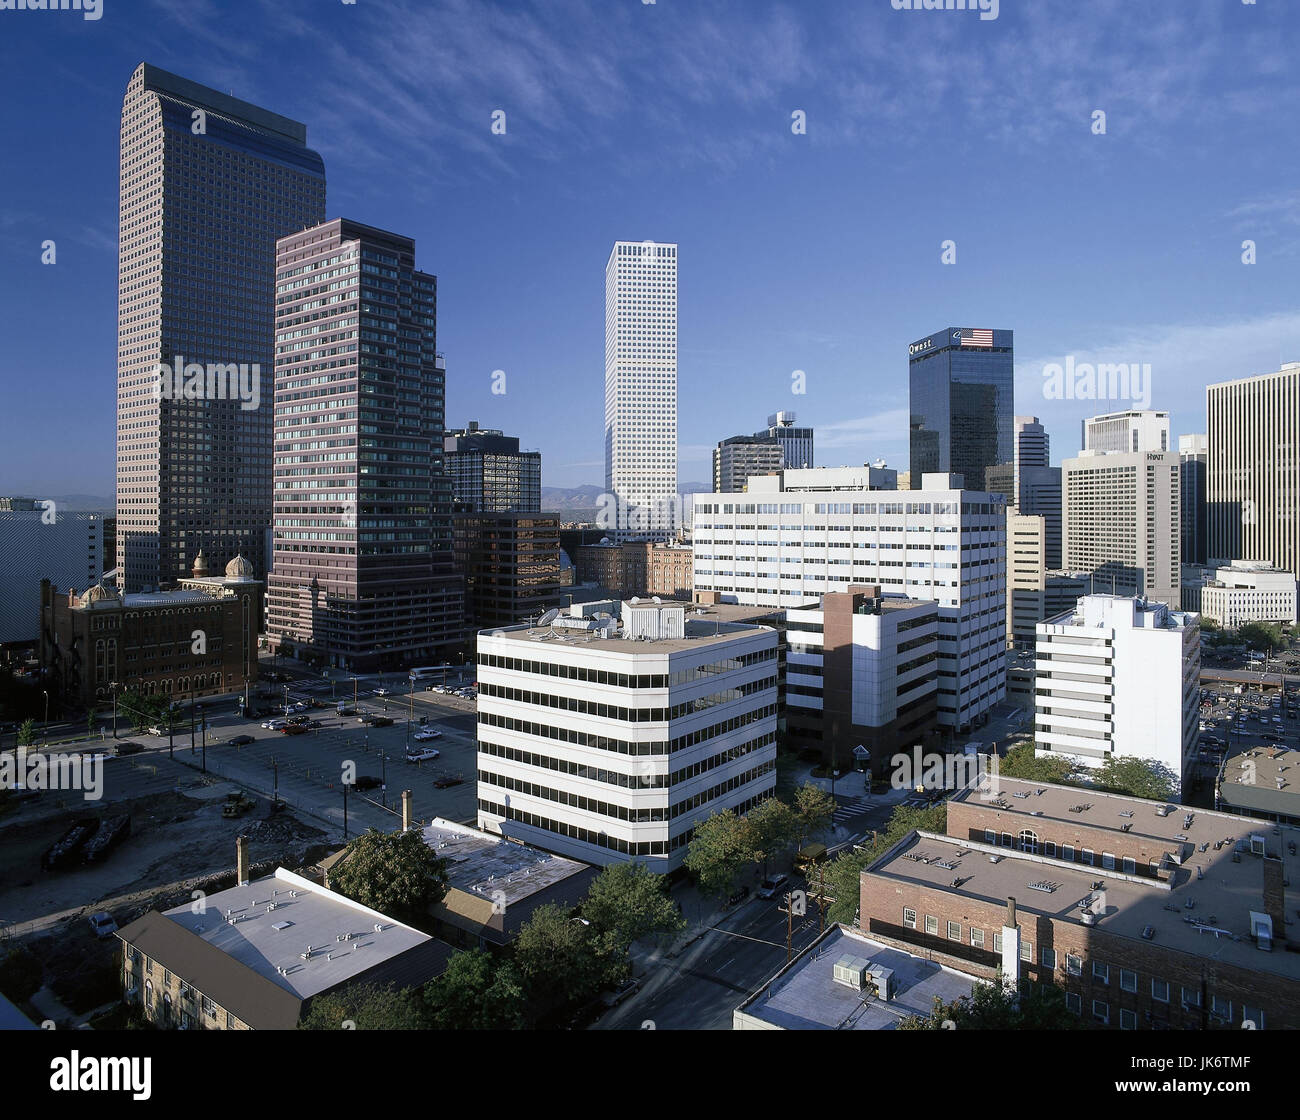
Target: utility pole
203	719
345	810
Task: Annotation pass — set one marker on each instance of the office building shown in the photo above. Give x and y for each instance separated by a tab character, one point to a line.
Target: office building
1026	576
862	675
607	740
637	568
510	563
735	459
145	641
796	443
960	393
1119	677
208	183
363	574
1127	432
1249	591
1260	782
1253	469
1001	479
1193	455
641	390
489	474
1040	496
1032	447
37	544
1121	514
803	534
1148	916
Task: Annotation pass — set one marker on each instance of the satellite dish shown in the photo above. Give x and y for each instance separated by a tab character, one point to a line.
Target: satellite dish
657	599
549	617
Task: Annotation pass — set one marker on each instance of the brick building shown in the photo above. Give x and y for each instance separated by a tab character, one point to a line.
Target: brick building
637	568
198	640
1148	915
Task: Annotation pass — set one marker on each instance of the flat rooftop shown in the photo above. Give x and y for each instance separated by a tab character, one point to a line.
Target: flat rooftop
1205	909
803	996
1251	780
305	915
482	864
700	633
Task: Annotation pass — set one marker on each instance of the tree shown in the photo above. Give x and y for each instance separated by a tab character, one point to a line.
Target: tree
27	733
369	1008
1023	762
718	852
1140	777
395	873
770	828
91	721
626	902
476	993
559	961
814	808
995	1007
1261	635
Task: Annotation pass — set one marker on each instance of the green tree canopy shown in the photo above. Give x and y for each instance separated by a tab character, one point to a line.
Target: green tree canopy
27	733
628	901
1261	635
995	1007
369	1008
477	992
1140	777
769	828
814	808
718	852
560	962
1022	762
395	873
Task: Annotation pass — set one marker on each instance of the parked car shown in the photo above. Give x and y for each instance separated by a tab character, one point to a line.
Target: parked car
381	692
293	729
240	740
298	721
425	734
127	746
447	782
770	886
423	754
273	724
381	721
103	924
619	994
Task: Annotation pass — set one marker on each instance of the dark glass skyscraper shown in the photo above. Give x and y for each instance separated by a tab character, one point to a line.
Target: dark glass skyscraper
961	386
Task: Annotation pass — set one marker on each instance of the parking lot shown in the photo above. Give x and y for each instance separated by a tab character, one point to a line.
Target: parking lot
1233	722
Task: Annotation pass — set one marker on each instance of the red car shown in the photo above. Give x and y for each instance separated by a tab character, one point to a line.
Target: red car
445	783
293	729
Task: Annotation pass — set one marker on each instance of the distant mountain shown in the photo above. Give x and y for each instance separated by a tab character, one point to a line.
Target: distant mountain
587	498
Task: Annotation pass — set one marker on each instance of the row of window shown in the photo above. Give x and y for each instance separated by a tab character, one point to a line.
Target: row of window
626	715
623	680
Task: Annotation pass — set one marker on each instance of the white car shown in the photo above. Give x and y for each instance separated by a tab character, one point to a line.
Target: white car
103	924
424	754
425	734
381	692
274	724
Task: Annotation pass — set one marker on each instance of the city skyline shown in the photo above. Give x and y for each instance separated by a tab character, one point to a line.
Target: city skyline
1188	306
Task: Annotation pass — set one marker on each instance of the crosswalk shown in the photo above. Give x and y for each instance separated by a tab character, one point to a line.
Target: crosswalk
854	807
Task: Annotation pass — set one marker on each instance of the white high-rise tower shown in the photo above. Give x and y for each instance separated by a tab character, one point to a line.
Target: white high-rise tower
641	390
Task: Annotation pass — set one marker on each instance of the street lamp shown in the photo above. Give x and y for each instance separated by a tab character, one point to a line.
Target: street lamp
114	686
204	721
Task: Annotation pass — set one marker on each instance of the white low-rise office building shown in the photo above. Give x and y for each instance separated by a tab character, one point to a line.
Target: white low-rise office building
801	534
1118	676
1249	591
607	739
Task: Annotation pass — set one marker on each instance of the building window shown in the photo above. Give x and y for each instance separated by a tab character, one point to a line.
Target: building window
909	918
1221	1008
997	942
1130	865
1128	980
931	924
1108	861
1047	958
977	937
1067	852
990	837
1101	972
1253	1015
1128	1020
1160	990
1073	965
1049	848
1073	1003
1029	841
1101	1011
1191	997
1027	951
954	931
1087	856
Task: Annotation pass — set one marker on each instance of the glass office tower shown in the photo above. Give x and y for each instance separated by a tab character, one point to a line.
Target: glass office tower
961	387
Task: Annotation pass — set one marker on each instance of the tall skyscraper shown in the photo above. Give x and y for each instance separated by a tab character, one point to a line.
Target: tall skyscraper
1253	473
363	570
641	390
1193	453
735	459
796	443
208	183
1135	430
1040	495
489	474
1122	519
961	389
1031	449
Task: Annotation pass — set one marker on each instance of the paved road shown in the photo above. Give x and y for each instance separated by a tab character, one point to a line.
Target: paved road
701	988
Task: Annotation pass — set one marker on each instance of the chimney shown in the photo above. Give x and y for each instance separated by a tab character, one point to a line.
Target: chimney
1275	896
406	810
1011	911
241	861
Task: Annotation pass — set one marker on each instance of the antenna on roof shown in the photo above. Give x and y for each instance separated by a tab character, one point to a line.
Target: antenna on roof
549	617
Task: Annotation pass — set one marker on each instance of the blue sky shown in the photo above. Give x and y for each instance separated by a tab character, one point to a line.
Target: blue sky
672	121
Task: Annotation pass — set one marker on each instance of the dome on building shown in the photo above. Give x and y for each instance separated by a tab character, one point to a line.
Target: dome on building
239	568
200	564
100	593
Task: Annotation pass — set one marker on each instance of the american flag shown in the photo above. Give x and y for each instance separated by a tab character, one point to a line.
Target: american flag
977	338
